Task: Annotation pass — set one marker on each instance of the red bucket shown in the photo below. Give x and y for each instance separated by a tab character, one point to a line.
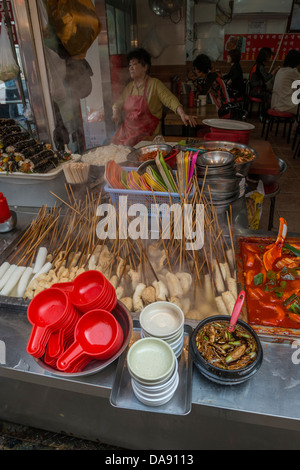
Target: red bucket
240	136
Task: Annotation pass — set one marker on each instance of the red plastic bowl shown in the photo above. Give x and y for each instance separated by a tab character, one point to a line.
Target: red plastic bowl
97	334
89	288
48	311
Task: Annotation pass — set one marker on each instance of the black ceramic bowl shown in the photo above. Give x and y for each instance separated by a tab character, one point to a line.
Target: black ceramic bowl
224	376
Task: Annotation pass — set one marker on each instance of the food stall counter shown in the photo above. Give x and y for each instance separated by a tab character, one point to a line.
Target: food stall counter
261	413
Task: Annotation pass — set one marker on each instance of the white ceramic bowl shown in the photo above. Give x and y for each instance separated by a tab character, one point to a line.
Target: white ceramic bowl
170	340
151	382
157	395
150	360
157	388
176	344
176	336
158	399
178	351
162	319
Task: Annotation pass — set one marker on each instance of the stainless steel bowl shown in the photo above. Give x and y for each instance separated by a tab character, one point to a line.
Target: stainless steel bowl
137	154
222	197
269	179
241	168
215	159
226	172
124	317
221	185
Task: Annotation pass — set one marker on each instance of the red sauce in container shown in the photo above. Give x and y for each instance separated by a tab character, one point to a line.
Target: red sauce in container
271	296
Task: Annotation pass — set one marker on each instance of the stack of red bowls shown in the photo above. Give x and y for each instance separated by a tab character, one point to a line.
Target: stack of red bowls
98	335
49	312
58	313
92	290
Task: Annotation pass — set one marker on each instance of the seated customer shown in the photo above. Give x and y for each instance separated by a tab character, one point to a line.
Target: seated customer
259	77
234	78
209	82
282	89
142	102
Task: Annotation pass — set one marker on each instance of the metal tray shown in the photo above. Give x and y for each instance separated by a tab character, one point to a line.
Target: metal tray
122	395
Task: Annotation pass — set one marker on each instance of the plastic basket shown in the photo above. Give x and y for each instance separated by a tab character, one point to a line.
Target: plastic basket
148	198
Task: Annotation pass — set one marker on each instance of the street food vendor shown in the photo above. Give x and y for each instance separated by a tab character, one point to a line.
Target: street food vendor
142	102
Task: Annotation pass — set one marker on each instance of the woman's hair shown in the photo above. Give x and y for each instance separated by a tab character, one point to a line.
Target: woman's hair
235	55
292	59
264	54
202	63
142	56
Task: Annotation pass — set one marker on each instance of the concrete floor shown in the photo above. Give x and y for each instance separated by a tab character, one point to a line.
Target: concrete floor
18	437
287	203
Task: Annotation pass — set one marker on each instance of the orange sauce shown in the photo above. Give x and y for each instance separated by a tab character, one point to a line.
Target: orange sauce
264	307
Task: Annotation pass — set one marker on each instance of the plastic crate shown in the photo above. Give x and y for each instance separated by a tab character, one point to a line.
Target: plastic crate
147	198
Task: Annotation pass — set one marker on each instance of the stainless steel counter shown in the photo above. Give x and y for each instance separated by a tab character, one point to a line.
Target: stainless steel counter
262	413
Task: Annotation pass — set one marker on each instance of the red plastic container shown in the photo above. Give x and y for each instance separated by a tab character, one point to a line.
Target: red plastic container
4	209
92	290
238	136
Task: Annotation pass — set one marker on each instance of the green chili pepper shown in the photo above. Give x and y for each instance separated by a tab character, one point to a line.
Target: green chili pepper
293	249
290	300
295	308
258	279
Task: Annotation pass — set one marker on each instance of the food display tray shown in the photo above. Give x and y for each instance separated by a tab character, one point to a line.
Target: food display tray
29	178
35	189
122	395
276	333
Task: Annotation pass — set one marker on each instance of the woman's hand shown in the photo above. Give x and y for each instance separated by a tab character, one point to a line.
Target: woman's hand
116	117
186	119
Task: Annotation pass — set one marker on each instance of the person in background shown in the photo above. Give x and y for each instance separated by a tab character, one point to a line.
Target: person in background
282	89
142	103
209	82
259	77
234	78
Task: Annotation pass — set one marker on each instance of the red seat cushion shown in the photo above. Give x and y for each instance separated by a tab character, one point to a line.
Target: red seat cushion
257	100
271	188
275	113
240	98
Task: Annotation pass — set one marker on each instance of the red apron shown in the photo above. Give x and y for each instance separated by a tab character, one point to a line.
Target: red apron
138	123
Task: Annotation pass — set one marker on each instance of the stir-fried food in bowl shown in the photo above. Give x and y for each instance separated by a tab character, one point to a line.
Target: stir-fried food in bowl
241	155
224	349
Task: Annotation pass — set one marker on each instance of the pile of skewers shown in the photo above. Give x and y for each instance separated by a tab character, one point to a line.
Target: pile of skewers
62	242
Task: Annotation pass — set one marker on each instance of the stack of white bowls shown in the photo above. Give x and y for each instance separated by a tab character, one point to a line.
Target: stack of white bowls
164	320
154	371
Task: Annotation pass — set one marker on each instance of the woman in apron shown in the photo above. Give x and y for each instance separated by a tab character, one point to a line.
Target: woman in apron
142	103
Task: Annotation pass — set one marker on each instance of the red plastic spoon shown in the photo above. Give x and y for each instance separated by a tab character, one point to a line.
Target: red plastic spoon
46	312
236	310
97	334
